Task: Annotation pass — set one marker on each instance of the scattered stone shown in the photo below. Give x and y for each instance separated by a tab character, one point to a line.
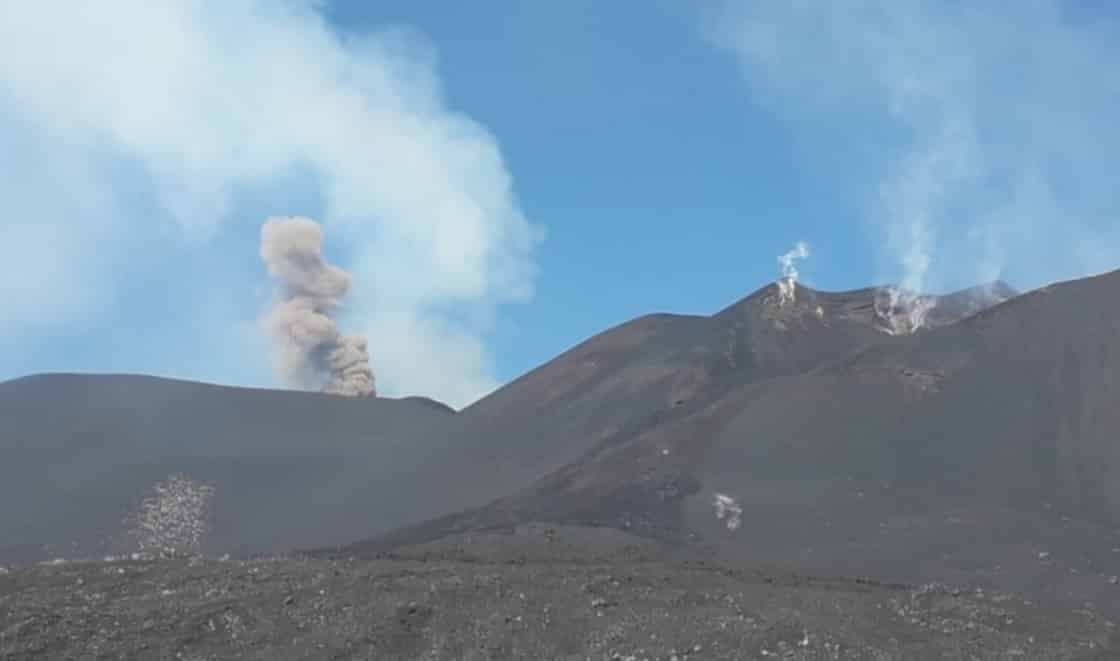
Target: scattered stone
437	608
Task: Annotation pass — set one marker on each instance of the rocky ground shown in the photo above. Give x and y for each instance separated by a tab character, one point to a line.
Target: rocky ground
535	594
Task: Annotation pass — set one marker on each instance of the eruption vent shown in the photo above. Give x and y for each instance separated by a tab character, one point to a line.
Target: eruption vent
310	352
902	311
787	284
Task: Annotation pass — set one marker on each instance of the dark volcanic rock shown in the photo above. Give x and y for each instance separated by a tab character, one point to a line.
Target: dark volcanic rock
305	469
621	499
80	452
483	603
980	450
642	377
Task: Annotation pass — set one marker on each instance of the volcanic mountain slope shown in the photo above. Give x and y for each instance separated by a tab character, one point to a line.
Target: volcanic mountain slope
81	452
627	381
981	450
645	375
304	469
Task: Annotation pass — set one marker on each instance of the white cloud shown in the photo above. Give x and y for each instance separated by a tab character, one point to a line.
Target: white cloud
205	97
986	134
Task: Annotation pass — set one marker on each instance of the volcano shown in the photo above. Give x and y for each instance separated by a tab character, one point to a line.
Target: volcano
978	448
304	469
803	432
876	478
81	452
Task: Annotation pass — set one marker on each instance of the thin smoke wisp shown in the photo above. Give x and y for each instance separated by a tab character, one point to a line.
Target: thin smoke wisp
787	284
975	144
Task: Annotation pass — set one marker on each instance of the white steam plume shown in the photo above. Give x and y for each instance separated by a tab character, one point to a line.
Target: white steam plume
979	142
902	311
162	147
309	348
787	284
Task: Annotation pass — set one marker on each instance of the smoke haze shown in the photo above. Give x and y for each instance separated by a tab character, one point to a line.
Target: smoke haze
979	138
309	350
165	145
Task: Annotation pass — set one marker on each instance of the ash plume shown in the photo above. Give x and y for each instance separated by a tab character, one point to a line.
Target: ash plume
787	284
309	350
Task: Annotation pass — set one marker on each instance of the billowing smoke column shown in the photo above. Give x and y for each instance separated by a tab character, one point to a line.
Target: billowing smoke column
310	352
787	284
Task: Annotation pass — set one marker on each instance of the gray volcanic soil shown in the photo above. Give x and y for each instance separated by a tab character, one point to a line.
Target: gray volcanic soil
980	451
297	470
535	593
80	452
636	379
800	438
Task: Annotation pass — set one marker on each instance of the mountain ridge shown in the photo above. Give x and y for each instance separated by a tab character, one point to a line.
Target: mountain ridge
995	431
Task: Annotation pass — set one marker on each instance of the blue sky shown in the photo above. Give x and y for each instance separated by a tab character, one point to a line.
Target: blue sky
505	179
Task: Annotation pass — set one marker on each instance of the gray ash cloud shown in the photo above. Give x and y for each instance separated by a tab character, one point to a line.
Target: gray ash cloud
310	352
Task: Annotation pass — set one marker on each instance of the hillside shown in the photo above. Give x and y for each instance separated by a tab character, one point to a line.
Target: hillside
81	451
793	478
980	450
643	374
304	469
